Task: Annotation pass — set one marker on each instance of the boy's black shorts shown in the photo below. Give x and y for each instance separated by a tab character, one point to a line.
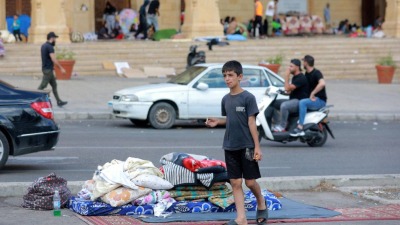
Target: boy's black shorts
240	167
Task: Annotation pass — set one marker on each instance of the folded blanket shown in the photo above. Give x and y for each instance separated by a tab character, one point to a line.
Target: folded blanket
219	195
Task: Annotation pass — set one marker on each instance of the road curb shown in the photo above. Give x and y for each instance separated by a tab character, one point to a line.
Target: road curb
10	189
376	117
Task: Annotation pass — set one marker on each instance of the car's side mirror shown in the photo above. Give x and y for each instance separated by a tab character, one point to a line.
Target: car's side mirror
202	86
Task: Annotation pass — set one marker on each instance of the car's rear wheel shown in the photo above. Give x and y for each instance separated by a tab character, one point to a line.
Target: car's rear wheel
162	115
4	150
139	123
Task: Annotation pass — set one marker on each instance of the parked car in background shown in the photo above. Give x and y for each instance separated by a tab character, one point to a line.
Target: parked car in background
26	122
196	93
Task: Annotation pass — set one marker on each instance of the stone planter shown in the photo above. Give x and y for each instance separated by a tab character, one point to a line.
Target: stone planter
385	74
68	65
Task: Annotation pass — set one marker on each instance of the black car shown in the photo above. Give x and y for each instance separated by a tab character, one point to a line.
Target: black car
26	122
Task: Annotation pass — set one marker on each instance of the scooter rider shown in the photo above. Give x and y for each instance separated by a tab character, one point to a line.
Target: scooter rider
317	96
298	90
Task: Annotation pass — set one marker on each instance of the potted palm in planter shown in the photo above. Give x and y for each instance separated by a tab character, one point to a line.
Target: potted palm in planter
385	69
66	59
273	63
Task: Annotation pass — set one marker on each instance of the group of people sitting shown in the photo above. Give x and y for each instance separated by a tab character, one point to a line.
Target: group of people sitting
143	29
306	92
232	26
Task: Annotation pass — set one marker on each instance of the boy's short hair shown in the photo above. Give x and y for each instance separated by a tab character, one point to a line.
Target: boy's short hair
234	66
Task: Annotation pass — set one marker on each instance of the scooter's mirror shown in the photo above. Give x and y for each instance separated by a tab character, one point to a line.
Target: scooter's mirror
202	86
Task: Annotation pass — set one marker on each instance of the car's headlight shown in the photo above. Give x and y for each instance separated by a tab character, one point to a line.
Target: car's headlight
129	98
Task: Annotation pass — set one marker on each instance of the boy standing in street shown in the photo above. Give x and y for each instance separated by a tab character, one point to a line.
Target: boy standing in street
241	145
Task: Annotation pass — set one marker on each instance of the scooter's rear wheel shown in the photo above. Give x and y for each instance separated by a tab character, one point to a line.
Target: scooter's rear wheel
319	141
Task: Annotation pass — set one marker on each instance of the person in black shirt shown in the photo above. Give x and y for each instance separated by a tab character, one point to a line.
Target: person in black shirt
298	90
317	95
48	61
142	20
153	13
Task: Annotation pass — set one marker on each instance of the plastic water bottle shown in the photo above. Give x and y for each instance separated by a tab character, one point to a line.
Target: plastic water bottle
56	204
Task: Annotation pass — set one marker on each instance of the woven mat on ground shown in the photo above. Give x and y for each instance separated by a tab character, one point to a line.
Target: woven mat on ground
385	212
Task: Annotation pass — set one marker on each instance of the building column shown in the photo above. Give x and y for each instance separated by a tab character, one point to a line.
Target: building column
48	16
3	14
202	19
391	26
170	12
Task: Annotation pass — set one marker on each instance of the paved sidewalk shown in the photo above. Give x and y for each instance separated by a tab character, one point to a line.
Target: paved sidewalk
329	192
87	97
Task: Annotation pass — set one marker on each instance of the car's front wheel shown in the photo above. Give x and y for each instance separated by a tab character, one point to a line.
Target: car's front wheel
4	150
162	115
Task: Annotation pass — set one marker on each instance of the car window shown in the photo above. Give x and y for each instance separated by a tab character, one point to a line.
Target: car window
254	78
214	79
188	75
274	80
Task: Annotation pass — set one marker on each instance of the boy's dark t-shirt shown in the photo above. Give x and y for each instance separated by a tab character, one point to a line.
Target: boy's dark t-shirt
302	90
237	109
47	63
313	78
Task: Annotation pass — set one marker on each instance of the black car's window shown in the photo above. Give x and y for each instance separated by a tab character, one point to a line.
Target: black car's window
214	79
188	75
254	78
274	80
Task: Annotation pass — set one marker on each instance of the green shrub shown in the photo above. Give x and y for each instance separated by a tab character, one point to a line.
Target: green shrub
64	54
277	59
386	61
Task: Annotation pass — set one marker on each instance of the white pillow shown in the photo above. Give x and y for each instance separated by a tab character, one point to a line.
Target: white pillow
152	181
122	196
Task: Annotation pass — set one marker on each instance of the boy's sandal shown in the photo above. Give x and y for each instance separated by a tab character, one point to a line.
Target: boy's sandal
231	222
262	216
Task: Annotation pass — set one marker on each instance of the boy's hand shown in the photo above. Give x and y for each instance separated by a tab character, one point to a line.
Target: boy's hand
257	154
211	122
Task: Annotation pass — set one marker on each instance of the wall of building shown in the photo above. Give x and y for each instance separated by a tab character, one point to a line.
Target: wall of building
340	10
78	11
2	14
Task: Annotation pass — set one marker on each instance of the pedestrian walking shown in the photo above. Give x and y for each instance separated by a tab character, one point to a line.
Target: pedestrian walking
142	20
257	22
241	145
48	62
16	26
270	13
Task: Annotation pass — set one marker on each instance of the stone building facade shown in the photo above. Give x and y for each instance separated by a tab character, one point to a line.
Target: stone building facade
201	16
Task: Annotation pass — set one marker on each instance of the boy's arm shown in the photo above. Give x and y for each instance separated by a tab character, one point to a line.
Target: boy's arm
213	122
254	135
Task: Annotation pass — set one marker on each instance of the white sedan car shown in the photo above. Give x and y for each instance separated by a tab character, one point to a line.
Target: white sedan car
196	93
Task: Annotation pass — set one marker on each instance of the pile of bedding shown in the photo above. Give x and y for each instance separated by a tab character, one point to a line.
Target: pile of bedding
184	183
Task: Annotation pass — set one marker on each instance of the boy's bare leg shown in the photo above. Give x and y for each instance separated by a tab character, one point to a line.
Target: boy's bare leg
239	201
255	188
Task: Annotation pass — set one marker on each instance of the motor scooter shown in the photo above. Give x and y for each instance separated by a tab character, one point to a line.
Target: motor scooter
315	127
195	57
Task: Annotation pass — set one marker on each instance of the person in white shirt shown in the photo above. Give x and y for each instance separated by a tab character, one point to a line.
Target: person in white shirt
270	12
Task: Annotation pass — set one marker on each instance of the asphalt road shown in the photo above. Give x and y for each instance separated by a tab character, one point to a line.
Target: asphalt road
360	148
